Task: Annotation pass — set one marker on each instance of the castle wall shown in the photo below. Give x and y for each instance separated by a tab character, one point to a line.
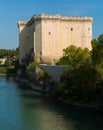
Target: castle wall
26	40
37	39
59	33
48	35
23	41
50	38
31	35
86	34
70	34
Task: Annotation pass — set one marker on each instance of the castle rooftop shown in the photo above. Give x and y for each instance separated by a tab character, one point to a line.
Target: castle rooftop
55	17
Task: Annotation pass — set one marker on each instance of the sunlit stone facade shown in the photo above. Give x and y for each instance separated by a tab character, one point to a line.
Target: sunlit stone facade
47	35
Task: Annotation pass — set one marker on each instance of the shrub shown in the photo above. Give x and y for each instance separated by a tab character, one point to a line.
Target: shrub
3	70
32	65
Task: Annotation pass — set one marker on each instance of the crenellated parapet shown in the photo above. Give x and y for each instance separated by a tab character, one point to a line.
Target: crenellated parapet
46	16
77	18
59	17
22	23
55	17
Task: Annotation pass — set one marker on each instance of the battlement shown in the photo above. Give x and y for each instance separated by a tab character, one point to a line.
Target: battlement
59	17
22	23
54	17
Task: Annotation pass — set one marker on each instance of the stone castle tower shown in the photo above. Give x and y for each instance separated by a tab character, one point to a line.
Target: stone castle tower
47	35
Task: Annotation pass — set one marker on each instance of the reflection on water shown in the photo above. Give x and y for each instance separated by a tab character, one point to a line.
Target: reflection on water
27	110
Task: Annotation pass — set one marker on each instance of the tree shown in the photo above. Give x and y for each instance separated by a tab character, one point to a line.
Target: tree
32	65
80	84
97	52
94	43
97	55
100	39
74	56
85	80
2	53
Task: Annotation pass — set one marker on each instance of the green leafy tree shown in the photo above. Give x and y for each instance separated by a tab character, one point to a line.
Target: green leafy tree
100	39
2	53
74	56
97	55
84	81
94	43
32	65
80	84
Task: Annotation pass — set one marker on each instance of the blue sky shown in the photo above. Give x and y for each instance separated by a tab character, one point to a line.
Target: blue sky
13	10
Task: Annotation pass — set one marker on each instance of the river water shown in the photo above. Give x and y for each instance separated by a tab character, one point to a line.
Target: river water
28	110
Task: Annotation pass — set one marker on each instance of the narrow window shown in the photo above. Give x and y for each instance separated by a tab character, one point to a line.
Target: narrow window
71	29
88	29
49	33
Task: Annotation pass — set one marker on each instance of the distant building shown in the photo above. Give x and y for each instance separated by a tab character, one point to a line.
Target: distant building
47	35
2	61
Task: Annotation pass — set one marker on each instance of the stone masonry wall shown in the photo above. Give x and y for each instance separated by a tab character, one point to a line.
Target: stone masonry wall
48	35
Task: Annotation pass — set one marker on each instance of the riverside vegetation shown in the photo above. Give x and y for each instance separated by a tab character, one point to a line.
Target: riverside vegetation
83	84
11	64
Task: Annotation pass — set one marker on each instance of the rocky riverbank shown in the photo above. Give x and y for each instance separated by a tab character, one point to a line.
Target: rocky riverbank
31	85
36	87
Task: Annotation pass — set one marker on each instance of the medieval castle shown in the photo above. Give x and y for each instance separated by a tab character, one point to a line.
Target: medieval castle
47	35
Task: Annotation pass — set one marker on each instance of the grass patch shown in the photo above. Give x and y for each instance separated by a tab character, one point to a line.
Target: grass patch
3	70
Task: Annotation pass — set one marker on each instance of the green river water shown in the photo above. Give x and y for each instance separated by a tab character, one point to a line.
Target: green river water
28	110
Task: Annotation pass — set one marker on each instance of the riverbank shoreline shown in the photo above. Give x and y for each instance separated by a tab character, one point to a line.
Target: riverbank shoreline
38	88
1	74
31	85
35	87
93	107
